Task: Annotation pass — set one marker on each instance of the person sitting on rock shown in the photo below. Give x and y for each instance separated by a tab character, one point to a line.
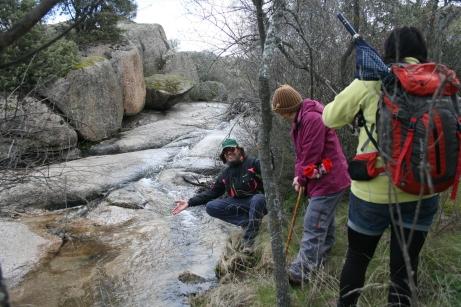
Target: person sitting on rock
245	204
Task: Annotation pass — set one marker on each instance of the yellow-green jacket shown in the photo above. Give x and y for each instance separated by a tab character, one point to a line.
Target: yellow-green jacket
364	95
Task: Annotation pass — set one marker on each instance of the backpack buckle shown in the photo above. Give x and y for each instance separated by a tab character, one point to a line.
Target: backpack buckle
413	123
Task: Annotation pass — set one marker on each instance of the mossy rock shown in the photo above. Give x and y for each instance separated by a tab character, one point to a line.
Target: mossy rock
191	278
209	91
165	90
89	61
170	83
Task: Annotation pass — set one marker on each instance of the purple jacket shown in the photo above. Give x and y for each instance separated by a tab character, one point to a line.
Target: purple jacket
313	143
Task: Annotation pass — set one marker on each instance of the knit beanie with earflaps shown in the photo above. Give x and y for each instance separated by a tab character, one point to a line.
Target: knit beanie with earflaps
286	100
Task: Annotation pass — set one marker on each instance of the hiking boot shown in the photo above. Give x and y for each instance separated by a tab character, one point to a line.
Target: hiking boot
247	250
297	276
248	246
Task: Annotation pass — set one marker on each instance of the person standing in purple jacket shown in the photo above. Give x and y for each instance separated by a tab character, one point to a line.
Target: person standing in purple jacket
321	170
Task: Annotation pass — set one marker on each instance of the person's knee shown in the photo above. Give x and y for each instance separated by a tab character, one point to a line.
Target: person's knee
259	202
212	208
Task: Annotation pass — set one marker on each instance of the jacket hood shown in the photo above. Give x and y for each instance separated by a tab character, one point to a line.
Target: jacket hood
310	105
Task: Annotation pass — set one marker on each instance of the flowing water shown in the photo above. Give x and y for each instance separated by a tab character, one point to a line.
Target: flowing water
114	255
133	263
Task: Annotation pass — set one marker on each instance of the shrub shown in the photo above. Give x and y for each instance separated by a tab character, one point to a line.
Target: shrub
53	62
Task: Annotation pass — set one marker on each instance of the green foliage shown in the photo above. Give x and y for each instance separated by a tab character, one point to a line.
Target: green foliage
100	24
265	295
88	61
169	83
45	66
62	56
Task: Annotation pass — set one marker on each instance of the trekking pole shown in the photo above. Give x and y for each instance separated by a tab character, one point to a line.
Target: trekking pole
347	25
293	219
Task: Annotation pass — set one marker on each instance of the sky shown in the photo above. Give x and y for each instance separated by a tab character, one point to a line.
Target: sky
179	23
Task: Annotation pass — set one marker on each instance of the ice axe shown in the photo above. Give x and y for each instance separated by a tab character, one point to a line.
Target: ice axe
293	219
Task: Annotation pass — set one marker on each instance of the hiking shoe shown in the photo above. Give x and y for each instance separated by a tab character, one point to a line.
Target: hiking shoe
297	277
247	246
247	250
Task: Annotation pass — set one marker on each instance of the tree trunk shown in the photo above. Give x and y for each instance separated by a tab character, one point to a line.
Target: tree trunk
273	203
26	23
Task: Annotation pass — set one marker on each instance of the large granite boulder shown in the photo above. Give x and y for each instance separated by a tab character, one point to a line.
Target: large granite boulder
181	63
126	59
165	90
91	97
128	67
209	91
151	41
28	127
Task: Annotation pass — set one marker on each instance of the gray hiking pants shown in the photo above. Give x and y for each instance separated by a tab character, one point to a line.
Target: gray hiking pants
318	234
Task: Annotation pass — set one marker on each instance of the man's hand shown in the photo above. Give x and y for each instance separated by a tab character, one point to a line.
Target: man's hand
180	206
296	184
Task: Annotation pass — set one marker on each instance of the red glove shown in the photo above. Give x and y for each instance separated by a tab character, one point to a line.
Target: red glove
311	171
325	167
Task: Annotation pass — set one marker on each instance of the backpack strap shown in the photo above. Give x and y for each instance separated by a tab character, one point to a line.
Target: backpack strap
361	122
406	146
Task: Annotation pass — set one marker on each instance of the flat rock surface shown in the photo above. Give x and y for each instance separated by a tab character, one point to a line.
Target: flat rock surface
20	250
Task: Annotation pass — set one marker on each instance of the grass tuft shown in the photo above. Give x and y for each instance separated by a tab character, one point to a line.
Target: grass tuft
252	284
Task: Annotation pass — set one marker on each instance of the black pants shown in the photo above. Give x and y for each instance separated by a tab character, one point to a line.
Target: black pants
360	251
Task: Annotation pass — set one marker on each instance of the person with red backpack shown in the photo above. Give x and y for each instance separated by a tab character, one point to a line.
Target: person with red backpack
321	170
380	176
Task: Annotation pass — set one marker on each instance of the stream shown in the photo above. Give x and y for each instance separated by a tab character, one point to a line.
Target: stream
110	239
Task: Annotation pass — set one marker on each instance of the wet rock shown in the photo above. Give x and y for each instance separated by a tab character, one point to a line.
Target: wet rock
20	250
126	198
105	214
197	165
164	91
158	198
104	148
210	145
153	135
198	114
78	181
174	178
183	125
191	278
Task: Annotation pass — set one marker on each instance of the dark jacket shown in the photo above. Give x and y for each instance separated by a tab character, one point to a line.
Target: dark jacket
238	181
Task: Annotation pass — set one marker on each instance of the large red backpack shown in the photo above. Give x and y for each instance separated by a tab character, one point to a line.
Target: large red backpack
419	128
